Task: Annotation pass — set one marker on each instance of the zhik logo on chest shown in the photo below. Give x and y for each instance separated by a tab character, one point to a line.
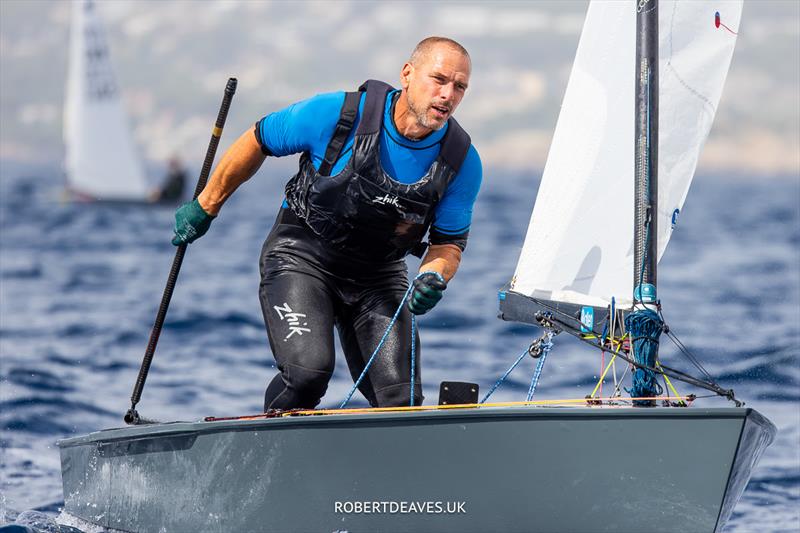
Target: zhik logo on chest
387	199
293	319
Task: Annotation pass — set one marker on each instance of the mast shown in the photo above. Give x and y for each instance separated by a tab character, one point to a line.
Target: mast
645	230
644	324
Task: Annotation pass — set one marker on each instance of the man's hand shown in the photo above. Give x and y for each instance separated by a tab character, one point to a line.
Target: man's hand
191	223
428	290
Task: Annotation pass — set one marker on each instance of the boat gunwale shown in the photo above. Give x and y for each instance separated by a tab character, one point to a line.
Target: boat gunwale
171	429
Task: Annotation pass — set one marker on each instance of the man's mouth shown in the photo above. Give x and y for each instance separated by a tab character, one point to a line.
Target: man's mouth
441	111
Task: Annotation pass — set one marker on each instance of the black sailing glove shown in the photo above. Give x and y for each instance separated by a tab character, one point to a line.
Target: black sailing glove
428	290
191	223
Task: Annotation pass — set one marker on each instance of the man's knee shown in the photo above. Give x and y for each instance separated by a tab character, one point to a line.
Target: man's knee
307	379
296	387
307	385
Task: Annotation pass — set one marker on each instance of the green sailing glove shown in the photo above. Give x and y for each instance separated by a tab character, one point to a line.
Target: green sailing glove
428	290
191	223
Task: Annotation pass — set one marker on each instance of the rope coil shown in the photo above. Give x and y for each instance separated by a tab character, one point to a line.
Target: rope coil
644	327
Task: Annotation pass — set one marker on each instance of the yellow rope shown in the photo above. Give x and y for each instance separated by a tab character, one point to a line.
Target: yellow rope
595	403
669	383
602	377
373	410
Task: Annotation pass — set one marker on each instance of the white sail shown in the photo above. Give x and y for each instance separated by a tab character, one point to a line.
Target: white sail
101	160
579	246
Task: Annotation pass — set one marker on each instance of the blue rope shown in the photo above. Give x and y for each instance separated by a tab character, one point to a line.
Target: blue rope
547	344
383	339
502	379
413	343
644	327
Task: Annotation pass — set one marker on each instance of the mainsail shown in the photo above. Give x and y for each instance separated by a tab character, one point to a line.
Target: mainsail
579	245
101	160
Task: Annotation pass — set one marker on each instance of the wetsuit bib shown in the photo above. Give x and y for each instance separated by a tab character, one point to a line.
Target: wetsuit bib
362	211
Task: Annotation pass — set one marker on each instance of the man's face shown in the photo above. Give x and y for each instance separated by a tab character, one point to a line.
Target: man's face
436	85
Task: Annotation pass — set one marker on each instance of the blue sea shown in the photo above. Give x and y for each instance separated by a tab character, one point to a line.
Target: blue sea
80	285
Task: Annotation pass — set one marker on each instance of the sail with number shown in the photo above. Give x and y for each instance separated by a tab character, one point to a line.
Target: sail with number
101	159
579	245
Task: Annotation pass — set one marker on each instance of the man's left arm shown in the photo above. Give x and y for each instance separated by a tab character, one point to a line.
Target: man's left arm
448	236
450	230
442	258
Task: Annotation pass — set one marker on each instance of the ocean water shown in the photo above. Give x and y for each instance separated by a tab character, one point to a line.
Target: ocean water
80	285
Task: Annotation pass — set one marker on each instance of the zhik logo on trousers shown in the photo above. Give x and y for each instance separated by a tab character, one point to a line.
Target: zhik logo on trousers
293	319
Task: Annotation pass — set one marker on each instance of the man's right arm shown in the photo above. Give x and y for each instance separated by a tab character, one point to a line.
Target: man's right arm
304	126
238	164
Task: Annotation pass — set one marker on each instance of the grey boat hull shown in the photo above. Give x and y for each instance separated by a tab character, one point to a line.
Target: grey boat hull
491	469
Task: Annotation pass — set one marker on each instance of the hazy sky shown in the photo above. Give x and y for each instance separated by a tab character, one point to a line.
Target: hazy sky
172	60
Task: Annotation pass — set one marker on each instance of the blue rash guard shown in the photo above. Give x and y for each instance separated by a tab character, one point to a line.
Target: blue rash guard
308	126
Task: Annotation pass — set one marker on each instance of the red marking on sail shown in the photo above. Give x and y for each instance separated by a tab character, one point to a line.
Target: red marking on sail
718	22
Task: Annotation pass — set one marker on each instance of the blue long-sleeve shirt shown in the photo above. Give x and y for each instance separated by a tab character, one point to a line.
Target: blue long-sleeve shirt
308	126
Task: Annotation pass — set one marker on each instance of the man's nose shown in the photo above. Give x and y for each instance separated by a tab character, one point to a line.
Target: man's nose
446	92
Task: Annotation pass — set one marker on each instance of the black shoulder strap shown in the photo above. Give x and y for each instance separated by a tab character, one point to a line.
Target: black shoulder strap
372	117
347	119
455	145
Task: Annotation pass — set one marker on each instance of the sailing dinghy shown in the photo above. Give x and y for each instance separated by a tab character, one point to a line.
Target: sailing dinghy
101	158
597	464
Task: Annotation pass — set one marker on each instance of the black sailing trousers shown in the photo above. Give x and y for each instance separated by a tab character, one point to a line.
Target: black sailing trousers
306	290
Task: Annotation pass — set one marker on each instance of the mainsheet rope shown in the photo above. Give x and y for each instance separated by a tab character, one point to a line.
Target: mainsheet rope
386	334
543	346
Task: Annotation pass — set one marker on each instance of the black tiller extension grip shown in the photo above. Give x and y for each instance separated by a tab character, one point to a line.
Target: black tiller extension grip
132	417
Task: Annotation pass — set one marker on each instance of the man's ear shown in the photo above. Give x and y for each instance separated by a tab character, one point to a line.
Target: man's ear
405	75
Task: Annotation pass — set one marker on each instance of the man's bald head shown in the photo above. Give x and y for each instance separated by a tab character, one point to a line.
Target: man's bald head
422	52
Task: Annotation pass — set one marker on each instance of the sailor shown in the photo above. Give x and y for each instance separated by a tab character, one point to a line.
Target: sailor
380	169
174	182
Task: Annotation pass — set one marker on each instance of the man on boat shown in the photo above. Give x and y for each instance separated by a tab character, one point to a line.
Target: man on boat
380	168
174	183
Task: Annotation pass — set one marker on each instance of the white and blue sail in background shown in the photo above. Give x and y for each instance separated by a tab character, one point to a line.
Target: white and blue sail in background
579	245
101	159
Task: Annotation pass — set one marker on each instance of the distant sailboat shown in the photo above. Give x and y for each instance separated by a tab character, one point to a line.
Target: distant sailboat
101	159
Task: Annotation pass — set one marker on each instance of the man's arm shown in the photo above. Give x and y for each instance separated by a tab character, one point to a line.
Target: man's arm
450	230
448	236
288	131
238	164
442	258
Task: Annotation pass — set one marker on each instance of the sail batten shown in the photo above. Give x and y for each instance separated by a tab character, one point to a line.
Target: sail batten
579	245
101	158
